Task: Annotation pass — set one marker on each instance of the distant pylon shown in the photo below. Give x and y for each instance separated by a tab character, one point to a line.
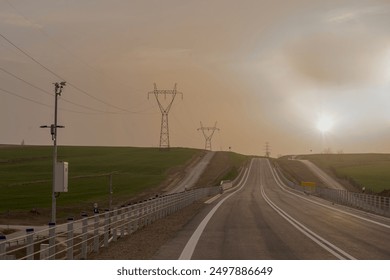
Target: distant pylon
164	108
267	149
208	136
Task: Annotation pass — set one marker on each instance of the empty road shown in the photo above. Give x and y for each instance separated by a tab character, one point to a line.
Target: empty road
263	219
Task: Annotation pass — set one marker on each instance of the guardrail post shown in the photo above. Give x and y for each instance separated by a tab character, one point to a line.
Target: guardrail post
52	241
106	227
146	212
3	239
141	211
122	222
96	233
115	224
84	226
30	243
165	205
160	207
128	219
69	241
152	211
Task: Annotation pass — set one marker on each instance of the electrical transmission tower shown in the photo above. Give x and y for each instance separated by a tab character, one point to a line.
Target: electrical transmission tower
267	149
165	105
208	135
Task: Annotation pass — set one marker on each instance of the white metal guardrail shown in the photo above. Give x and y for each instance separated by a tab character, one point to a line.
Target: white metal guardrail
367	202
77	239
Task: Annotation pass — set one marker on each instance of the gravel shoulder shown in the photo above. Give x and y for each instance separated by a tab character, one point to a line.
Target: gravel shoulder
144	243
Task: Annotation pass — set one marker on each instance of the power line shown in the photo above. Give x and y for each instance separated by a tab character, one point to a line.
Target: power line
37	102
46	34
50	94
23	97
61	78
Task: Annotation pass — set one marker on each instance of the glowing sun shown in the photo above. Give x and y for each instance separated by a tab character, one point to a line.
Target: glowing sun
324	124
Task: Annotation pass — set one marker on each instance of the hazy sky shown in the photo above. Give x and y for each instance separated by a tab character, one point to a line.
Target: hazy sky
266	71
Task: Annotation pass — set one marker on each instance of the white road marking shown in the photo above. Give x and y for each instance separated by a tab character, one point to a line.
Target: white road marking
328	246
285	188
193	241
211	200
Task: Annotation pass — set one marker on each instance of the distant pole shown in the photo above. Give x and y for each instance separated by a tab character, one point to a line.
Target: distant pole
209	135
110	193
164	133
53	130
267	150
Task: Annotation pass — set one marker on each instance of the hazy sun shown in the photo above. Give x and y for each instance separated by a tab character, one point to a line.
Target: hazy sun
324	124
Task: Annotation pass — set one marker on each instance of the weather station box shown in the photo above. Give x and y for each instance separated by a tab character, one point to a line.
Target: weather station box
61	182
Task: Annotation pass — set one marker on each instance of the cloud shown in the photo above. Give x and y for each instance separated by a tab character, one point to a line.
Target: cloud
340	59
17	20
352	14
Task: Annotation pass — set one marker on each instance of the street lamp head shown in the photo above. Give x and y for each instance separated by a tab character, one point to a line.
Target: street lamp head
59	86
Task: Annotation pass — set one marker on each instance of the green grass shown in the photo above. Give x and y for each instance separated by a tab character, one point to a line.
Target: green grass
369	170
236	161
296	171
26	174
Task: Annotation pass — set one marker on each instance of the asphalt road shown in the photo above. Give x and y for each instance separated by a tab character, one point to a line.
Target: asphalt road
263	219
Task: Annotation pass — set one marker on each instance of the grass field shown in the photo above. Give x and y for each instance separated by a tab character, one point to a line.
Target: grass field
297	172
369	170
26	174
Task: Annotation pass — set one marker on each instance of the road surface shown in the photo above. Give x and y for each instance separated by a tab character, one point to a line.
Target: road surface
263	219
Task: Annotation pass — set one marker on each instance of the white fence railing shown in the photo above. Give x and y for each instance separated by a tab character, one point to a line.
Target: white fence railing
77	239
367	202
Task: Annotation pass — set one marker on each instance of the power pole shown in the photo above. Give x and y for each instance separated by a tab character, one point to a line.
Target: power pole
267	150
208	135
164	108
53	130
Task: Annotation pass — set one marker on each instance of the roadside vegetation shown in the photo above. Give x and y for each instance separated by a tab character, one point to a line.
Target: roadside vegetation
223	166
371	171
137	173
296	171
26	174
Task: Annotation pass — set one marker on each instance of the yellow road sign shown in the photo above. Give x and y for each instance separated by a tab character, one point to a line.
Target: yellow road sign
308	184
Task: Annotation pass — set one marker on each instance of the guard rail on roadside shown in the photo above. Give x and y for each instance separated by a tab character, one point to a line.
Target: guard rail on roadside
77	239
367	202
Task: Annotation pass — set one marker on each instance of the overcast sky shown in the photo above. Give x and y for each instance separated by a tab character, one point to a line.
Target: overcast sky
266	71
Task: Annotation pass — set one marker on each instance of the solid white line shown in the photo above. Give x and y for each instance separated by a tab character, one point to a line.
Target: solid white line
193	241
285	188
331	248
211	200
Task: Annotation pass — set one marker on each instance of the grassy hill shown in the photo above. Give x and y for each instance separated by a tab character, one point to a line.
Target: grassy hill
369	170
26	176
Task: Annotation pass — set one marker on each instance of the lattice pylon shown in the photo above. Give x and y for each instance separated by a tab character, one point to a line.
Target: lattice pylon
209	135
164	132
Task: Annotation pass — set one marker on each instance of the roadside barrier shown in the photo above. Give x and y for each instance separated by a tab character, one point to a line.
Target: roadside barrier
367	202
78	239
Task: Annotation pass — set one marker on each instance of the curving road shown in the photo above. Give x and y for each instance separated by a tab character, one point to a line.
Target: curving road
263	219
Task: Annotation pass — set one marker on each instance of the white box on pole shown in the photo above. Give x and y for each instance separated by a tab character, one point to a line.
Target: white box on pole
61	183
